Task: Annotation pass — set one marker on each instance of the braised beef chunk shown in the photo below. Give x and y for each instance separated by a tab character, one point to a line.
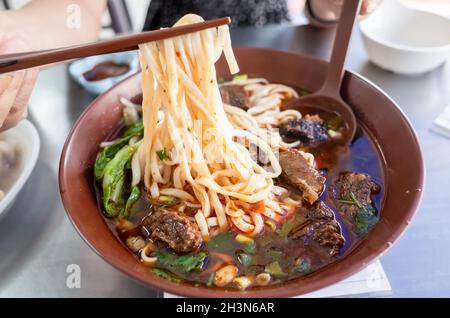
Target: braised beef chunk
354	199
235	95
357	189
176	230
309	130
300	174
320	211
321	227
329	235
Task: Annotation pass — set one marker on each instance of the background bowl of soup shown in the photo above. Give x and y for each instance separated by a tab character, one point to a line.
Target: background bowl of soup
391	135
19	150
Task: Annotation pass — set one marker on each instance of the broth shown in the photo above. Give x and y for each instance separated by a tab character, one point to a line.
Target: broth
309	236
269	245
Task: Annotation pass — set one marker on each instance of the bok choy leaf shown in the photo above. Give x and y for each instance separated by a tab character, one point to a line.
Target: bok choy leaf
114	187
108	153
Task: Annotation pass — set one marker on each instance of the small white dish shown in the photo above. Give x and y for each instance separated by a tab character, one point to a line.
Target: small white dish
27	137
77	68
404	40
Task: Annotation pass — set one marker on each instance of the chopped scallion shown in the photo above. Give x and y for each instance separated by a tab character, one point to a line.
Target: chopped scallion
166	198
249	247
243	239
240	77
274	269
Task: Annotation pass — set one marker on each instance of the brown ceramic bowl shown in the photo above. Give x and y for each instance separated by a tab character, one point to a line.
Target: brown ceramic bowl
390	130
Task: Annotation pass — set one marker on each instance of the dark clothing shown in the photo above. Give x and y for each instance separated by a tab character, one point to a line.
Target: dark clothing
164	13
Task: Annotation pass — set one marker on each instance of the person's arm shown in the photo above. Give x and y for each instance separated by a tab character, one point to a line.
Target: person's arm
45	24
42	24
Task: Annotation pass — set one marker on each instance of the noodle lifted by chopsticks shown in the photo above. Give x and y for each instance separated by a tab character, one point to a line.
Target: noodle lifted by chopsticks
190	153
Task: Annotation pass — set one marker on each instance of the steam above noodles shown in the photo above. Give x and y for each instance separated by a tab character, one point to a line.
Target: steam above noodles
189	148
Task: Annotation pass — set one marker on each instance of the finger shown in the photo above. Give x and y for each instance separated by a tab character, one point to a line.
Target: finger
12	120
25	90
19	109
5	80
9	95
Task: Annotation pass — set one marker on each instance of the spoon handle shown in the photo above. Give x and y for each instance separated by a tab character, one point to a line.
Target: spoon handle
335	72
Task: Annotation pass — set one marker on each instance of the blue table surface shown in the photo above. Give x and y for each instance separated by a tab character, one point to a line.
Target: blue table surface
38	243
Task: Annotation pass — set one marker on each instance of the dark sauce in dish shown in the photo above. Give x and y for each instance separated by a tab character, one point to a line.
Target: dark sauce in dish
106	69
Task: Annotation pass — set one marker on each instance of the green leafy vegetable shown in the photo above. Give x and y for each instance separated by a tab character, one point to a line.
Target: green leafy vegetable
365	219
114	189
290	225
210	281
134	196
108	153
181	263
249	247
302	265
135	129
219	241
286	228
162	154
166	275
274	269
246	260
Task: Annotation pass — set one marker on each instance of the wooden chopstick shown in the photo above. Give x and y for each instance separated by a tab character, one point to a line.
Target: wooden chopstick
19	61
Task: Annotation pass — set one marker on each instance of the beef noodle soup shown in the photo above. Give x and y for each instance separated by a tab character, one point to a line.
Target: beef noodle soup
212	182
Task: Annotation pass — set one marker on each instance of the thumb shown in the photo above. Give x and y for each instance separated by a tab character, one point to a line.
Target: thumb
15	87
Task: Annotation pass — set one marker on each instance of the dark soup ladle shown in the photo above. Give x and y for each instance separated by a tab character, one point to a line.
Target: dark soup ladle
328	97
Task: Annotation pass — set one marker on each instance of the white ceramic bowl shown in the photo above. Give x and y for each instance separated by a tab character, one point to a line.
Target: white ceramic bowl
27	138
404	40
77	68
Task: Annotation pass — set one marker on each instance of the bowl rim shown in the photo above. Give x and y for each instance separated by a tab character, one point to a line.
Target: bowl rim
277	291
29	130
